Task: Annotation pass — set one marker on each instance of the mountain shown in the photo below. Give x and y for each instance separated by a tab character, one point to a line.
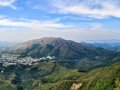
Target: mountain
68	53
58	47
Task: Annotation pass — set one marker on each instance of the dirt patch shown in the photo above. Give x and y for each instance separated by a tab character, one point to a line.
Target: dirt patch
76	86
117	88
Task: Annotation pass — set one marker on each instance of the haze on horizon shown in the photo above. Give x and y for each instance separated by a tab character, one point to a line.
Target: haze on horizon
77	20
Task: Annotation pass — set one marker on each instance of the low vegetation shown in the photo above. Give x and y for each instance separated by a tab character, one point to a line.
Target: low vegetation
53	76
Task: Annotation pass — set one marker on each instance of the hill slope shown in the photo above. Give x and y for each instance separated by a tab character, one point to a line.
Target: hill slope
107	78
51	76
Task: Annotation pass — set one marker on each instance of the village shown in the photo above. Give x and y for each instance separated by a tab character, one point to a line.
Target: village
10	59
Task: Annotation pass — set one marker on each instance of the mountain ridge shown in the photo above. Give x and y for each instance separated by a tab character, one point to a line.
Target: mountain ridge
57	47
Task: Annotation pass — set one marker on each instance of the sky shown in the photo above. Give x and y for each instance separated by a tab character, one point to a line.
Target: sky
78	20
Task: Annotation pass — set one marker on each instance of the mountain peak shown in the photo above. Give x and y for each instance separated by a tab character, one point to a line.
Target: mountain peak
51	38
47	40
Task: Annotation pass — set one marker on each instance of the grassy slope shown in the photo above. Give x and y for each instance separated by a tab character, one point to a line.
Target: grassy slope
51	76
107	78
102	79
5	82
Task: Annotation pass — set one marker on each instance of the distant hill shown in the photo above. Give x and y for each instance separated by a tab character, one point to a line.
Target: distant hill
58	47
6	44
113	46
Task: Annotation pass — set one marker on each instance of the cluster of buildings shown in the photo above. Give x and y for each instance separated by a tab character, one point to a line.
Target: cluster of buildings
9	59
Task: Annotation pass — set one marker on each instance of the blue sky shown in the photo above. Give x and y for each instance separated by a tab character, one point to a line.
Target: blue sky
78	20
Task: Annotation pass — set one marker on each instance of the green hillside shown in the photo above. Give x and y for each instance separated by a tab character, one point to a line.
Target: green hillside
107	78
53	76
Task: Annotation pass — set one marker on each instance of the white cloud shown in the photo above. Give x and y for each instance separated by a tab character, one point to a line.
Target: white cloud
76	34
34	29
33	24
7	3
91	8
